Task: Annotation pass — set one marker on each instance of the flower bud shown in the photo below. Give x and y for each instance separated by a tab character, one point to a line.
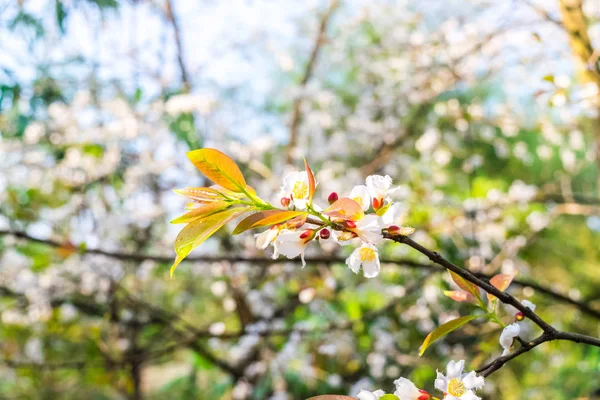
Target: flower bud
519	316
350	224
394	230
333	197
377	203
308	235
424	395
285	201
324	234
344	236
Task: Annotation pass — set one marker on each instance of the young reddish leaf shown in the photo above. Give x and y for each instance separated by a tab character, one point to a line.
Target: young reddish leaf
265	218
219	168
203	211
500	282
311	182
201	194
201	229
465	285
345	209
460	296
443	330
296	222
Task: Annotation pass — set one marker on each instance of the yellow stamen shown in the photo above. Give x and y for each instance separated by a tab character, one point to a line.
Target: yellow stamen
456	388
359	200
300	190
367	254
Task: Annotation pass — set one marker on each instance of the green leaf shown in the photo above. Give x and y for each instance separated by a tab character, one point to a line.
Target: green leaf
265	218
198	231
443	330
219	168
389	397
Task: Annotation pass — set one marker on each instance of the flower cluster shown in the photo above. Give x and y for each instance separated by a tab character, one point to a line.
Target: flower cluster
456	385
345	219
365	214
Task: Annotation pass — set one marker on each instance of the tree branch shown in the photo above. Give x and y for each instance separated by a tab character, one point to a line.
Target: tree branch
263	261
549	332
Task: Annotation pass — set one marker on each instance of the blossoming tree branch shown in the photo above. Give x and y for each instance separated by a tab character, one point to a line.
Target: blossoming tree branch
364	218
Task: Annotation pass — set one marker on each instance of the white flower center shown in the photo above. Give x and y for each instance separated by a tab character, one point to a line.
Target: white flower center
366	254
456	388
300	190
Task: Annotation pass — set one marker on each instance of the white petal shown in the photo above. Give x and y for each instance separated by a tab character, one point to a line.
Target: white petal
469	396
289	244
507	336
406	390
528	304
371	268
370	236
290	249
378	184
365	395
300	203
353	261
455	369
360	194
472	381
450	397
393	215
265	238
441	382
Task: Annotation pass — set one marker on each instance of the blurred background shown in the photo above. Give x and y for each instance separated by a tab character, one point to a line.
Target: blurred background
485	113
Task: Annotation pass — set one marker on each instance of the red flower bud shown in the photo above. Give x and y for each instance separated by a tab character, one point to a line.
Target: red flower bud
307	235
350	224
424	395
519	316
333	197
325	234
285	202
394	230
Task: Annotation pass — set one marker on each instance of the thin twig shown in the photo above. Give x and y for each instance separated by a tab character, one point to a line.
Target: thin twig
263	261
308	72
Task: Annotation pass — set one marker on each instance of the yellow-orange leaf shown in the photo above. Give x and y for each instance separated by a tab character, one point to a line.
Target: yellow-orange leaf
201	212
201	229
265	218
465	285
443	330
345	209
500	282
201	194
311	182
219	168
